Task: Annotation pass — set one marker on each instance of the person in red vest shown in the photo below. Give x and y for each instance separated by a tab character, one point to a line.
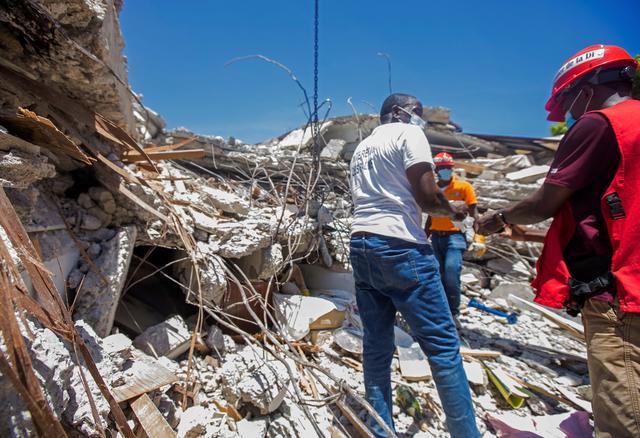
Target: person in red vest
590	262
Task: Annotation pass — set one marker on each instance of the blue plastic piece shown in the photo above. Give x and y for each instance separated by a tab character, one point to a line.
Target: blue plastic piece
511	318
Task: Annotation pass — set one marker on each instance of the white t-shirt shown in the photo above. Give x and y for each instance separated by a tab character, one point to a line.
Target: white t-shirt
382	198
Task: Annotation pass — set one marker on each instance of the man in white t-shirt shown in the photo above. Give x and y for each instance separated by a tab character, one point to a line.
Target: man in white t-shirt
392	183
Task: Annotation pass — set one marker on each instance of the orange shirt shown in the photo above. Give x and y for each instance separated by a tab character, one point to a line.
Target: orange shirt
457	190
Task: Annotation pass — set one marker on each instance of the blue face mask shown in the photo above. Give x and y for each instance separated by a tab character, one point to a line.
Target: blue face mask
445	174
569	120
418	121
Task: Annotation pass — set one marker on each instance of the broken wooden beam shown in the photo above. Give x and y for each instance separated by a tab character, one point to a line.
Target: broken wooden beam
186	154
150	418
145	379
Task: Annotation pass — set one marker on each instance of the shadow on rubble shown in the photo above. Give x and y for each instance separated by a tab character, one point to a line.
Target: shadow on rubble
151	293
556	360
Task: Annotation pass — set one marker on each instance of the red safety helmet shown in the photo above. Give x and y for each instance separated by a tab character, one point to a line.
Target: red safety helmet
443	159
579	65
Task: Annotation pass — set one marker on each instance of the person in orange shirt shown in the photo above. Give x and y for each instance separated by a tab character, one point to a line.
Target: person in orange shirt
447	239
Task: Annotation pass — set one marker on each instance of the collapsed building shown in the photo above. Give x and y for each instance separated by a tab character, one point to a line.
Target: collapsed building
159	282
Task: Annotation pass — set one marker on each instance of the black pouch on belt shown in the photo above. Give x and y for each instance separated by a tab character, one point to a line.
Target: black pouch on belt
590	277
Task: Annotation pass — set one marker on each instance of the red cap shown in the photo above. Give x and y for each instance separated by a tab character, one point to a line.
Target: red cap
580	64
443	159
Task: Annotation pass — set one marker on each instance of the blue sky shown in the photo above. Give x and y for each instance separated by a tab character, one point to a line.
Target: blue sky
490	62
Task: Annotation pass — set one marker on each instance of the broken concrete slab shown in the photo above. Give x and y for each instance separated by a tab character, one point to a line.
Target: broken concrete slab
528	175
97	301
506	288
296	312
262	264
212	279
170	338
199	422
334	149
225	201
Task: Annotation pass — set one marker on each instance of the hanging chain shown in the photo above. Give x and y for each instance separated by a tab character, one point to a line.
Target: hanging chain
315	127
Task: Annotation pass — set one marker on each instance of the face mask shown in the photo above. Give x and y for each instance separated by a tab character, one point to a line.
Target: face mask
568	116
445	174
415	119
418	121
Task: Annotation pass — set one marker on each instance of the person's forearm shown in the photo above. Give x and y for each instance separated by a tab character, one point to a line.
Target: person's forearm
525	212
438	206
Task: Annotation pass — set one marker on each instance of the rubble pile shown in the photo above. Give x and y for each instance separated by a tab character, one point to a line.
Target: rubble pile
165	283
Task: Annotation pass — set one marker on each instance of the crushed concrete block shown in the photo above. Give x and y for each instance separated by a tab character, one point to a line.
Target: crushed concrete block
19	169
213	282
529	175
239	239
116	343
109	206
264	388
256	428
506	288
198	421
215	339
94	250
60	183
225	201
100	194
508	267
333	150
85	201
97	302
203	221
256	378
90	222
170	338
262	264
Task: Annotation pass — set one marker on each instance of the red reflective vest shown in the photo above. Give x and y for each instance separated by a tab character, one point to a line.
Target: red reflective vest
620	208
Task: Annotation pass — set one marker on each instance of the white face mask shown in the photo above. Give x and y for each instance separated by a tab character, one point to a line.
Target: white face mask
415	119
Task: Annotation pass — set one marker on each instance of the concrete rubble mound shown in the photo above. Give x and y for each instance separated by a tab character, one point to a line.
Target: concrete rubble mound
162	283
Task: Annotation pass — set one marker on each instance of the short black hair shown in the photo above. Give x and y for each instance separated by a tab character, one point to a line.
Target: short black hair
396	99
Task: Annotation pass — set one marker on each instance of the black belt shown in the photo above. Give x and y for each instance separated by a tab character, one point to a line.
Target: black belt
363	234
445	233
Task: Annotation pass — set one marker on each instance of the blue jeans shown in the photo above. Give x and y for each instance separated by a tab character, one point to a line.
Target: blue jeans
448	250
392	274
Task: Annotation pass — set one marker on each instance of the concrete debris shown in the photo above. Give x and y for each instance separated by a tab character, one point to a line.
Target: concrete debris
528	175
169	338
254	378
199	421
104	220
98	298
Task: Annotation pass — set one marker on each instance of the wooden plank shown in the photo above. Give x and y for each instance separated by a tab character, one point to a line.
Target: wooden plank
42	132
150	418
484	354
472	169
362	430
572	327
166	155
168	147
149	375
135	199
413	363
577	401
123	173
